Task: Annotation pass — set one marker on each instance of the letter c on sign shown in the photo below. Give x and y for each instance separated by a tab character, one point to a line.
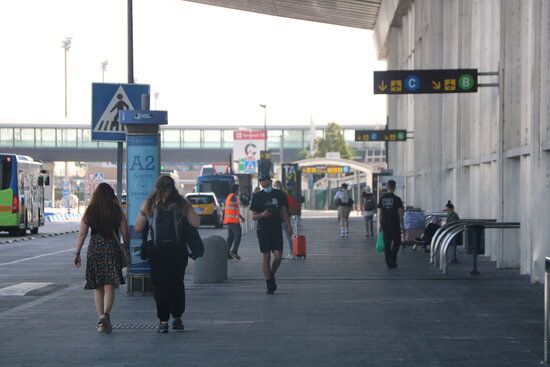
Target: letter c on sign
412	83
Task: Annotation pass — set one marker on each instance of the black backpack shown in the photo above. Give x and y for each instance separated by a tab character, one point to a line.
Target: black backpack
369	204
165	228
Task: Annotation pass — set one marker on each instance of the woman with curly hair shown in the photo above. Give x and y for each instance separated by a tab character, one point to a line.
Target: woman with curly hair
107	222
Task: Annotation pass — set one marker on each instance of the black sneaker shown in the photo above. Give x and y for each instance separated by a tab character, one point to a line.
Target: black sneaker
177	324
234	255
162	328
270	286
274	283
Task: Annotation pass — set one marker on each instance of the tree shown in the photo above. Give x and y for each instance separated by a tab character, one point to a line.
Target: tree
333	142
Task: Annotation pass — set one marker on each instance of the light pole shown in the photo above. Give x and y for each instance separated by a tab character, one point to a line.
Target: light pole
103	69
156	95
66	45
265	125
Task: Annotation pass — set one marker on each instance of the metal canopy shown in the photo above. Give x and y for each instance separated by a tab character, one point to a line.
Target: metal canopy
348	13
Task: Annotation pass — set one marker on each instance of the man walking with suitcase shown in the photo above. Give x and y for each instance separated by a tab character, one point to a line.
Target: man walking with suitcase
269	208
390	222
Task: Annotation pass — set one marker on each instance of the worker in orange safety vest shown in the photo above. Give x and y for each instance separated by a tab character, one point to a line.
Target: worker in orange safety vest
232	218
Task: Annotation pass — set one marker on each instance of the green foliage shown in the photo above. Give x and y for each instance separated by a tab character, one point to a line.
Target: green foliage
303	153
333	142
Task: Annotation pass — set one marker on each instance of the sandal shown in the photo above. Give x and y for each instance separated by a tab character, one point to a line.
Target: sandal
106	322
100	327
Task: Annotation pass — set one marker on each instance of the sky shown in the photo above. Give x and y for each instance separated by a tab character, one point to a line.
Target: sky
209	65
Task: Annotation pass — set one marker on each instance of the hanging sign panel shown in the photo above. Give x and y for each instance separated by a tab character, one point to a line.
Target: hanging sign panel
380	135
425	81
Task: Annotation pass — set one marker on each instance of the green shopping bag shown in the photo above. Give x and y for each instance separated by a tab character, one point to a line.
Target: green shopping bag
380	243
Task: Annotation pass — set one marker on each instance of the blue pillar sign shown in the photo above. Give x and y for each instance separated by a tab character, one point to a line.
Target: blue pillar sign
143	169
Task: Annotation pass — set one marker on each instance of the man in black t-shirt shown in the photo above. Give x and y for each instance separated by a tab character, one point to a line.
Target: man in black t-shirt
269	208
390	222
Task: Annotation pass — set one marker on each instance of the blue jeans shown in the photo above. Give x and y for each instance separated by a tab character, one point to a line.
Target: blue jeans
369	224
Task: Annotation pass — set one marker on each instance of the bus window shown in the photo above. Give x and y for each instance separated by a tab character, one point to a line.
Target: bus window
5	173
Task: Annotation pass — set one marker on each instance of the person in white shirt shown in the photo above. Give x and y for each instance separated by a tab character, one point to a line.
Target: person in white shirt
344	202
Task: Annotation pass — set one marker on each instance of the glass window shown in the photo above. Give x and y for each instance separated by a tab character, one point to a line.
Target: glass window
45	137
212	138
5	172
85	139
24	137
293	139
377	152
66	137
191	138
107	144
200	199
6	137
228	138
273	139
170	138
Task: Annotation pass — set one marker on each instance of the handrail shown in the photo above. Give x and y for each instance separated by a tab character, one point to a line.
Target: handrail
484	225
442	232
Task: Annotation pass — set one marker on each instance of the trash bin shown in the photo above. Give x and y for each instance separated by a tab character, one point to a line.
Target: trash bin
475	240
212	266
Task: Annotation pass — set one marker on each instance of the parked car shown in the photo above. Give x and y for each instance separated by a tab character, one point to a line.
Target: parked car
207	207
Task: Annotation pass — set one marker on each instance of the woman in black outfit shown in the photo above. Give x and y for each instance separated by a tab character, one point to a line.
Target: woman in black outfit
168	263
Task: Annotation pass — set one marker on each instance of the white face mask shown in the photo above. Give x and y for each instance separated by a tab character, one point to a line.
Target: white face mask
277	187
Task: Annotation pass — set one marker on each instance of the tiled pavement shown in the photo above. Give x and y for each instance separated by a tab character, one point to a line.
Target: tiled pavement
339	307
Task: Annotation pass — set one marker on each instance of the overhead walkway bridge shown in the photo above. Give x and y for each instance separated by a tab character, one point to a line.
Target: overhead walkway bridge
59	142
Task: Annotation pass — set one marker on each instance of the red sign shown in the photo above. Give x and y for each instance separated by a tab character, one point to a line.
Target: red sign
249	135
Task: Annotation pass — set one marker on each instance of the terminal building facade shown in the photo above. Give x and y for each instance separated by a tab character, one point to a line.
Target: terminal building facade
488	152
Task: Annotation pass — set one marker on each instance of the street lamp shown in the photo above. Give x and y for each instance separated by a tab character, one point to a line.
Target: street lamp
156	95
265	125
103	69
66	45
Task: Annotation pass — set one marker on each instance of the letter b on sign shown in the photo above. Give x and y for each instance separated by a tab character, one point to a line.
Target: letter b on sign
466	82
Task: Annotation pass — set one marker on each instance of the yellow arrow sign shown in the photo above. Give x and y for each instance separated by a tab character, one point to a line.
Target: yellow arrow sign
382	86
436	85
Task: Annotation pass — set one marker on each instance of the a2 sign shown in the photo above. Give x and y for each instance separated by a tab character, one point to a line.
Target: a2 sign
425	81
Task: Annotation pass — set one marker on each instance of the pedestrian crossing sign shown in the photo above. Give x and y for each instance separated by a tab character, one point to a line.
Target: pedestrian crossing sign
107	101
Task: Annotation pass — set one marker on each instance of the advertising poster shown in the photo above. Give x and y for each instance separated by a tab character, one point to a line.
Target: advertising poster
143	169
247	145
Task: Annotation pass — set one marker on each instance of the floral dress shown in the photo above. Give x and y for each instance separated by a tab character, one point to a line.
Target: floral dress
104	262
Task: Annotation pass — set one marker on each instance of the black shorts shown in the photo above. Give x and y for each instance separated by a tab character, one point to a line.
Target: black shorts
270	240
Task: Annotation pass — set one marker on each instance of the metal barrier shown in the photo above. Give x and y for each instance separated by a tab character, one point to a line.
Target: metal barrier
439	236
475	231
249	225
546	306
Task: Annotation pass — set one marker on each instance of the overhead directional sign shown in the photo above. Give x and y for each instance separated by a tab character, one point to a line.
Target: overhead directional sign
319	170
107	101
425	81
380	135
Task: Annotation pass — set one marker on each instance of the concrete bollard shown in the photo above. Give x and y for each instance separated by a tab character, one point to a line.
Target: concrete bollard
212	266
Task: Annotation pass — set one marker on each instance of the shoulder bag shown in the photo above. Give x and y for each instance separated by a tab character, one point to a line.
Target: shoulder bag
125	257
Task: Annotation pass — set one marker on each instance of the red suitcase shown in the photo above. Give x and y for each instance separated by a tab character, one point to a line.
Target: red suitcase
299	246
